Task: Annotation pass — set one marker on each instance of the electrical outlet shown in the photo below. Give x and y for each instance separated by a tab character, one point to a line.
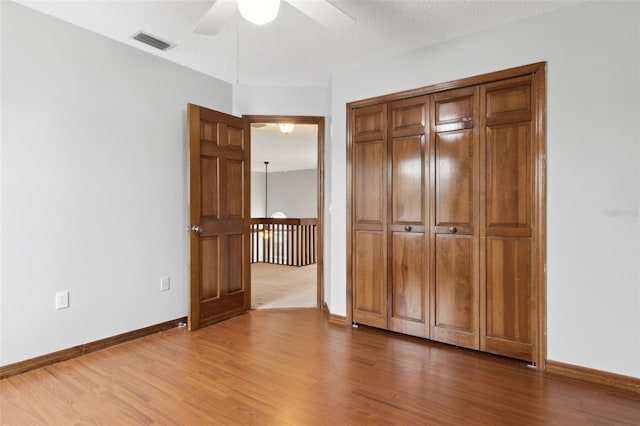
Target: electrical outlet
165	283
62	299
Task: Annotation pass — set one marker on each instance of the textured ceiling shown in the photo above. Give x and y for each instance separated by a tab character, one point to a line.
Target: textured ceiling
293	50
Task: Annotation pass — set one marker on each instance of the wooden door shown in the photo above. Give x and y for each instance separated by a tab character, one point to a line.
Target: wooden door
368	210
219	275
408	208
454	224
507	231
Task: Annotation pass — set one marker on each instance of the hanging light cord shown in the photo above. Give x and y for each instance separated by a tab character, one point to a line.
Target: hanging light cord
266	187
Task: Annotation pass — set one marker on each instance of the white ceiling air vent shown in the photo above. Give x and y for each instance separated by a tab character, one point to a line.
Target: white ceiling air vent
152	41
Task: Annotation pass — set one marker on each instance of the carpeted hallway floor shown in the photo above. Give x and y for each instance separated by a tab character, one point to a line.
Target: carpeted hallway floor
280	286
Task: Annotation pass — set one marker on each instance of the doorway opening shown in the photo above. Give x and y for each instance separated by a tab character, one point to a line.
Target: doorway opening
287	204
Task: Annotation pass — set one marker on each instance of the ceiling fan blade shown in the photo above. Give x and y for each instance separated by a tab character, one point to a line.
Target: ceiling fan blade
216	17
325	14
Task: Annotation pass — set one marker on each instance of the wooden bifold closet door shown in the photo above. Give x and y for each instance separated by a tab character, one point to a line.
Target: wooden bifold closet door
445	185
507	232
369	224
454	228
408	258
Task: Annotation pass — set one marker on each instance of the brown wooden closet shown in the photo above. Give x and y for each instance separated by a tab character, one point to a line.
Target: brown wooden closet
446	212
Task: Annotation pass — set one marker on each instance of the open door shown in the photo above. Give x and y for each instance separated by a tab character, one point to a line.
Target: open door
219	179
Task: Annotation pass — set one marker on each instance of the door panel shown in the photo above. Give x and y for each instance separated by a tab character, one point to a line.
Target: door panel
369	175
235	138
409	117
209	185
454	228
219	279
509	297
409	302
511	100
507	308
509	186
509	290
407	175
455	291
454	107
235	185
209	276
236	244
370	123
369	211
370	275
454	179
408	294
408	245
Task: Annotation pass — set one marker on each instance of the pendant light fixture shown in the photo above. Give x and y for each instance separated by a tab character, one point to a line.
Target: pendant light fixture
259	12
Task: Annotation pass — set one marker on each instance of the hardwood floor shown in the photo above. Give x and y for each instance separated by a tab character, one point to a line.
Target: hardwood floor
292	367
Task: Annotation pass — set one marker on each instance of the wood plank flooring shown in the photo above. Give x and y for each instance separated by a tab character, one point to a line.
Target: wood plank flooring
292	367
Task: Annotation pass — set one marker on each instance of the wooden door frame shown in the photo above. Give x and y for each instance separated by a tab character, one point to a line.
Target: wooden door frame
538	71
320	123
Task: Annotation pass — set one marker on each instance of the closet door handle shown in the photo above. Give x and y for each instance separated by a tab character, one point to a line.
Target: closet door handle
453	229
407	228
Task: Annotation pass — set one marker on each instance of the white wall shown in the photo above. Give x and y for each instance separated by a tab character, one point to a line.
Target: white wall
593	92
267	100
93	174
295	193
257	194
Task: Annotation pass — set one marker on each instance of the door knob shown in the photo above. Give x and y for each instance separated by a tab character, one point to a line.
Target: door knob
407	228
453	229
197	229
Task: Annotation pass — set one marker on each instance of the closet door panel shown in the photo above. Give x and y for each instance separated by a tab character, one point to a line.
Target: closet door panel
370	279
369	177
410	116
507	295
368	261
408	247
454	231
408	292
511	100
454	179
407	176
455	291
509	181
454	110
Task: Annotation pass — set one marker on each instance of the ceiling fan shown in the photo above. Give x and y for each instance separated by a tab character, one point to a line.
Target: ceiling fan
320	11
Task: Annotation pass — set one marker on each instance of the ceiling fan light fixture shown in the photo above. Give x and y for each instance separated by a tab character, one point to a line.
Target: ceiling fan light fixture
259	12
286	128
